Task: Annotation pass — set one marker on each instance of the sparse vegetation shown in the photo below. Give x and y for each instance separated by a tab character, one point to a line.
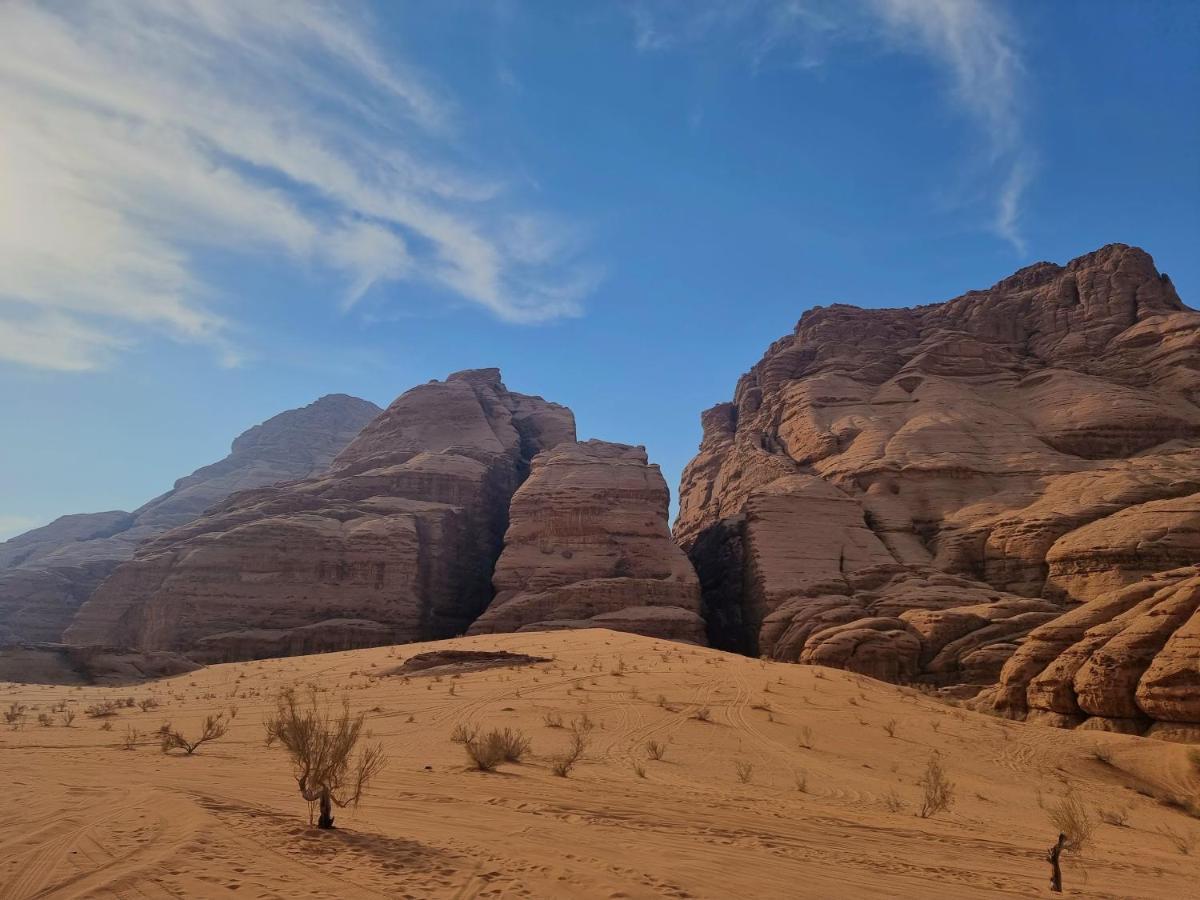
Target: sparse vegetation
103	709
132	736
45	720
214	727
330	760
744	770
890	727
486	751
148	703
937	790
703	714
805	737
656	749
463	732
1071	817
581	731
552	719
68	716
800	779
14	716
893	802
1118	816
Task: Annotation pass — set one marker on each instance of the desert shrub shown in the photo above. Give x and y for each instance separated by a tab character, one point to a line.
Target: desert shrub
463	732
172	739
129	703
103	709
68	716
937	790
132	736
1118	816
581	732
45	720
800	779
805	737
703	714
14	715
106	726
330	759
893	801
656	749
890	727
638	769
483	751
552	719
744	770
148	703
1071	818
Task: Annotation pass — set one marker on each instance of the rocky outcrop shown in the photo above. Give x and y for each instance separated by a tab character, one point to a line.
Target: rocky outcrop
1128	660
394	542
588	546
47	573
909	492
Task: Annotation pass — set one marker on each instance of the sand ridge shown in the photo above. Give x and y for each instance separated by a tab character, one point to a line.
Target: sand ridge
836	818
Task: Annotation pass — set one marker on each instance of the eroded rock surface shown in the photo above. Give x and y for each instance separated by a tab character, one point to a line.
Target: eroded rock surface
588	546
394	542
908	492
47	573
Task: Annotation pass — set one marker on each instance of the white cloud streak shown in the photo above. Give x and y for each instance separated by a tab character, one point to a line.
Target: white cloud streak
971	40
137	135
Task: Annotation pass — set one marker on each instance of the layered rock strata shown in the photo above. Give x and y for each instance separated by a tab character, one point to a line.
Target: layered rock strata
909	492
588	546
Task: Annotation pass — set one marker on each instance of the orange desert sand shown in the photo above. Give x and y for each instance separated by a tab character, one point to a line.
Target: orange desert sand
84	818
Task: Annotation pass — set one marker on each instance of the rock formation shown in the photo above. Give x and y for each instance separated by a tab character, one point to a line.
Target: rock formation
47	573
588	546
394	542
909	492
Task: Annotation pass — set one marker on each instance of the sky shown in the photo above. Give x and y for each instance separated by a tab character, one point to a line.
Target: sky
212	211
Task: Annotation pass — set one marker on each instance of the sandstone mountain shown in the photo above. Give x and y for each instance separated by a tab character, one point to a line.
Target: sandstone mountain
588	546
908	493
46	573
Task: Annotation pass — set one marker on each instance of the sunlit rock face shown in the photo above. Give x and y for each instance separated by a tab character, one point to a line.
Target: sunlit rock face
909	492
588	546
396	541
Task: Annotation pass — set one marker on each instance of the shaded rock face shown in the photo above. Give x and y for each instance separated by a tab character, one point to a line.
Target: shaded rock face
1037	444
588	546
394	542
47	573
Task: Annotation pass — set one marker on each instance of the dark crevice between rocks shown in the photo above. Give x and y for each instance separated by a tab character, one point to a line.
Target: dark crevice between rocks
718	555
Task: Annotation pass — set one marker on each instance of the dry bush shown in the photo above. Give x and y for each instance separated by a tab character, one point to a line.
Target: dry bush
805	737
1184	842
102	709
107	726
147	704
14	715
638	769
330	760
581	733
800	777
132	736
172	739
45	720
552	719
463	732
744	770
890	727
1118	817
937	790
499	745
1071	818
893	801
656	749
68	716
703	714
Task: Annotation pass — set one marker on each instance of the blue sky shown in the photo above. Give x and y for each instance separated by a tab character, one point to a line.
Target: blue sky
211	212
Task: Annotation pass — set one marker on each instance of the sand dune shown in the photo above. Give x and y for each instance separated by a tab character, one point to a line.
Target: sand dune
85	818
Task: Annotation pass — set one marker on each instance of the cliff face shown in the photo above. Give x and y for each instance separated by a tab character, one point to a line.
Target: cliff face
588	546
47	573
395	542
908	492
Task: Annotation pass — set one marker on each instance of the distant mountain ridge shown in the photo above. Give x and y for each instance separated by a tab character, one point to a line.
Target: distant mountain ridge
47	572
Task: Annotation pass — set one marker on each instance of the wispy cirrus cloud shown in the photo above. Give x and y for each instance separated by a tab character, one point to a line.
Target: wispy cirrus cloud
138	134
972	41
